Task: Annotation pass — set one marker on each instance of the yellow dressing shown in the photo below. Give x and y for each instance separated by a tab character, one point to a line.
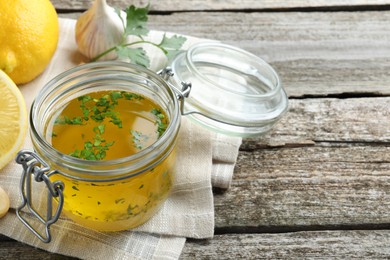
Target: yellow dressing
110	125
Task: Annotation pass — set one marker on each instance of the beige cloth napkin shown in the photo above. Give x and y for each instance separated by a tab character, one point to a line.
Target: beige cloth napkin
204	159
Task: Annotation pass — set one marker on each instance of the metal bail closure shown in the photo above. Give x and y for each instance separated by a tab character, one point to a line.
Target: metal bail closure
166	73
34	165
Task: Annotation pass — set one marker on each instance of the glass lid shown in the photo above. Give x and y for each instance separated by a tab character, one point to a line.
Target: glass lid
232	91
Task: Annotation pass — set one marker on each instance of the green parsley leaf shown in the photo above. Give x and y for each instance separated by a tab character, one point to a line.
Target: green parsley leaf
161	126
76	154
136	21
130	96
95	150
116	121
136	55
69	121
175	42
171	45
100	129
115	95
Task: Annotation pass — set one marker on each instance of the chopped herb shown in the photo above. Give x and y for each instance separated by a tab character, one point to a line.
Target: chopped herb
115	96
161	126
102	111
131	96
100	129
96	109
68	121
84	108
121	200
130	209
140	187
103	102
75	188
116	120
96	149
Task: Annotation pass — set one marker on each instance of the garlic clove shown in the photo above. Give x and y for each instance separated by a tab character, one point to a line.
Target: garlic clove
4	203
99	29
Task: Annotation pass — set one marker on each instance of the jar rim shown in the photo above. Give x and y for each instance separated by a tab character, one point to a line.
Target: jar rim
206	46
91	167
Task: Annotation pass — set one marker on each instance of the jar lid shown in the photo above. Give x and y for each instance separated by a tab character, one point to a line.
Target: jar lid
232	91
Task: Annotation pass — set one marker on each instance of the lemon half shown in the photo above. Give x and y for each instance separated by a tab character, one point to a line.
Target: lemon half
13	119
28	38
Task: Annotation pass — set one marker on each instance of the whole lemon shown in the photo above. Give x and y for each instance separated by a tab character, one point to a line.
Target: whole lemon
28	37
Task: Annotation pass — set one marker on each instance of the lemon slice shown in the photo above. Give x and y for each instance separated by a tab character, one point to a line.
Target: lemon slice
13	119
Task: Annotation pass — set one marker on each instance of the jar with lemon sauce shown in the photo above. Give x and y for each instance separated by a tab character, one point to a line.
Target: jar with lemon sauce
105	133
126	187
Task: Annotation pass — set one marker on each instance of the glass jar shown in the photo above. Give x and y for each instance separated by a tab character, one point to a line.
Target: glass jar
221	87
107	195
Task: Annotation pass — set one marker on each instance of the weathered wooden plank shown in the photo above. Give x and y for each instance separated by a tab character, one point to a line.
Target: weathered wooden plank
326	163
364	244
11	249
177	5
297	188
335	120
299	245
315	54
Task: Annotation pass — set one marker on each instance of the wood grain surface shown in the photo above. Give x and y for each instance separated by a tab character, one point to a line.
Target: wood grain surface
315	53
318	185
218	5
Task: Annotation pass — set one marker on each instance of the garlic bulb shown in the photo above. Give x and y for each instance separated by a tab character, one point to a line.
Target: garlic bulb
98	29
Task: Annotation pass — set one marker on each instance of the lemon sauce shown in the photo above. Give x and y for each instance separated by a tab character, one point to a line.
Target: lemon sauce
108	125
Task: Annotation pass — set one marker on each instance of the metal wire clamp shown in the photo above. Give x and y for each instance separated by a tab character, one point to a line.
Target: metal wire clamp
182	94
33	165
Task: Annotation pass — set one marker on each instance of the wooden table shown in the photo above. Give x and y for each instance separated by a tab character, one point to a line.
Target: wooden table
318	185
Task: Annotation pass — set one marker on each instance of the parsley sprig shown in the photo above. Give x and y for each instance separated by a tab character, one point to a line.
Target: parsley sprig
136	25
